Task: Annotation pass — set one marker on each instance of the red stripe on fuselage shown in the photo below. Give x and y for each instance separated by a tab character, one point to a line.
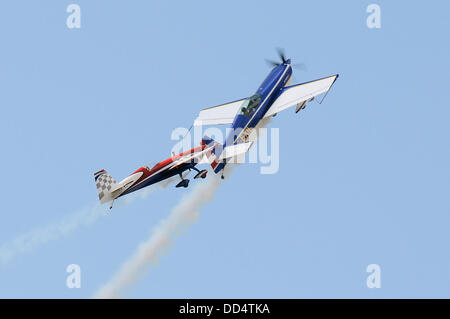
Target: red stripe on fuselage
148	172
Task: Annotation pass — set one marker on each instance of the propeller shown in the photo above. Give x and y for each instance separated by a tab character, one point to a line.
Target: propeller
299	66
272	63
282	55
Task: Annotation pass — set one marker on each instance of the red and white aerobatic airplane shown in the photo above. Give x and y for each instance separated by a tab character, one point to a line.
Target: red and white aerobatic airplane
108	189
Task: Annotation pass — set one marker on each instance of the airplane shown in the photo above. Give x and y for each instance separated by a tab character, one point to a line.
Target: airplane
109	190
274	95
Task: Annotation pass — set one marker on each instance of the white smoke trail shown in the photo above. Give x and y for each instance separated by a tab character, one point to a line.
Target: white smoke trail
181	216
145	192
28	242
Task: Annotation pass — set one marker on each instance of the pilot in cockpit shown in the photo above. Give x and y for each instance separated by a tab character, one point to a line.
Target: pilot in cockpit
250	105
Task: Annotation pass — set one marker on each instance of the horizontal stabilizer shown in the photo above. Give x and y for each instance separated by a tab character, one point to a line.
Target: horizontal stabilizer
117	189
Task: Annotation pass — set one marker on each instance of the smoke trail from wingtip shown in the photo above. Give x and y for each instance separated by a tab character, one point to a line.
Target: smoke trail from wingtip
181	216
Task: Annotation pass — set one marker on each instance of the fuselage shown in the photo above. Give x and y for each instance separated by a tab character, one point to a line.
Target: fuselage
255	107
145	176
267	93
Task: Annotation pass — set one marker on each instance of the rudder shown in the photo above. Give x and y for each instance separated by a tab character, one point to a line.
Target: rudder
104	183
214	154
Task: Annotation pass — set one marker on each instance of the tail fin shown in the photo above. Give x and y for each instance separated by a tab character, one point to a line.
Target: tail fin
104	183
214	154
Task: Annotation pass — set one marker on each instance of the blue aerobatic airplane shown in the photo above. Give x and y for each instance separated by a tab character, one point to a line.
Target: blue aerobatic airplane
275	94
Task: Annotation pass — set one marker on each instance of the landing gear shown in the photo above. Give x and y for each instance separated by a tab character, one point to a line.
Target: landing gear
223	169
300	106
184	182
200	174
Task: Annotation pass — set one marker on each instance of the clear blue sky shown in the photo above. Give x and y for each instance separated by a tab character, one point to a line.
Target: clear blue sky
364	177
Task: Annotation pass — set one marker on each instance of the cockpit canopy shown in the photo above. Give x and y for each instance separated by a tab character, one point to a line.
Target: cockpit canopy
149	166
250	105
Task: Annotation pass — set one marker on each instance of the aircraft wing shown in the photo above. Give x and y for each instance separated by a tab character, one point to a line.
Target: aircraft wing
299	93
197	157
234	150
221	114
